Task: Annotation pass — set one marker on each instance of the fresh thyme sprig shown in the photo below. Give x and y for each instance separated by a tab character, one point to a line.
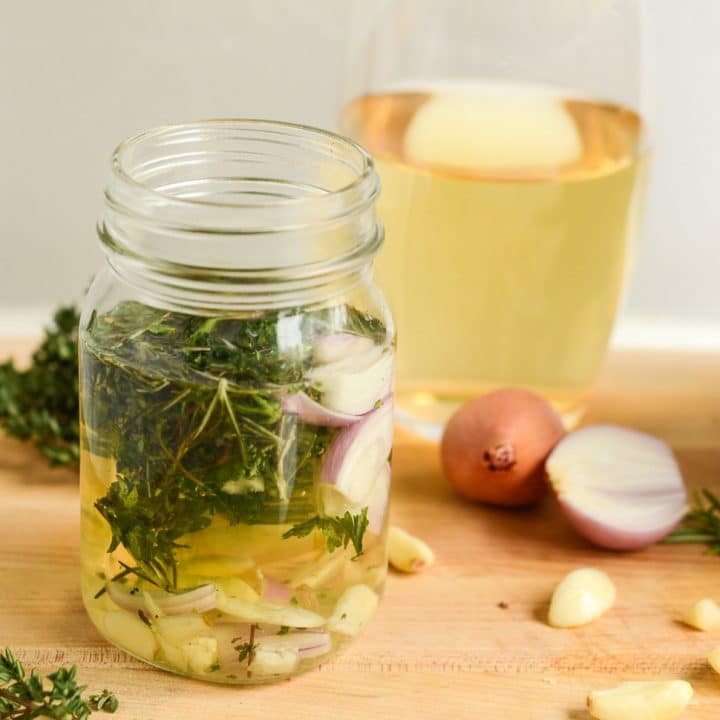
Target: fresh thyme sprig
701	524
24	697
339	531
244	651
40	404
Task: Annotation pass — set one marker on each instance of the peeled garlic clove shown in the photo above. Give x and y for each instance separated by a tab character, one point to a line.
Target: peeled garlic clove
645	700
177	629
619	488
131	633
714	659
407	552
703	615
172	654
201	654
276	661
581	597
353	610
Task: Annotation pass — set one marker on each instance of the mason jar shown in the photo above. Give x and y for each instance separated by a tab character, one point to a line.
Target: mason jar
236	401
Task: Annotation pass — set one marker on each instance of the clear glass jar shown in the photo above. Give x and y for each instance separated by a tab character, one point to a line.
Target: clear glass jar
236	401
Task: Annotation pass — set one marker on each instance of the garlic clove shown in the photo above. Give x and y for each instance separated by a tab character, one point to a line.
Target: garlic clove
172	654
581	597
703	615
201	654
407	552
643	700
276	661
353	610
177	629
130	633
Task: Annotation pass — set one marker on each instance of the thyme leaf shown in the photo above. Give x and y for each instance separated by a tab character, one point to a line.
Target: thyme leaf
339	531
23	696
244	651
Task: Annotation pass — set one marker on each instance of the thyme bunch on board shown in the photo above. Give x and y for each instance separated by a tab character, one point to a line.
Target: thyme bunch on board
40	405
24	697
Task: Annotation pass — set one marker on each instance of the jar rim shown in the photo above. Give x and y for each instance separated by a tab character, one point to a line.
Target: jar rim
240	203
366	177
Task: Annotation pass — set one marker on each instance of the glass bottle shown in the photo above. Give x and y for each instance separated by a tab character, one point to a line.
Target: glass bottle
513	141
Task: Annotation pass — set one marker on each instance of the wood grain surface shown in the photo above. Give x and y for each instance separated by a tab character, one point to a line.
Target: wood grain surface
466	639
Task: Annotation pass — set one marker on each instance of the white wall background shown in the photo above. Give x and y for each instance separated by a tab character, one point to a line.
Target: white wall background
76	77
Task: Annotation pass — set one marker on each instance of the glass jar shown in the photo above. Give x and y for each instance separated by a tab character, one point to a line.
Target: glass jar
236	401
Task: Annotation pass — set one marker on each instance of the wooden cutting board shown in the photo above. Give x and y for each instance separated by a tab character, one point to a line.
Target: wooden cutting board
466	639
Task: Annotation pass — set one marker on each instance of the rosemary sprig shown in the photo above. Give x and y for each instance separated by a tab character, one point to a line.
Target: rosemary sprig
701	524
339	531
40	404
24	697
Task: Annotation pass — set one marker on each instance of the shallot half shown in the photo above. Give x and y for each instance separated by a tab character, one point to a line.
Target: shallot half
621	489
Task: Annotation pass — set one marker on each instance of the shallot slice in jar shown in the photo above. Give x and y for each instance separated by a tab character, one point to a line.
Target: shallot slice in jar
307	643
357	383
335	503
338	346
313	413
200	599
358	454
275	591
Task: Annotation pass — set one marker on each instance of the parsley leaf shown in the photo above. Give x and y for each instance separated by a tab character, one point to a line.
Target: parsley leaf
339	531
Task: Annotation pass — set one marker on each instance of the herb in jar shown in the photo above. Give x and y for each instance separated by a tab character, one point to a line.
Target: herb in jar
205	462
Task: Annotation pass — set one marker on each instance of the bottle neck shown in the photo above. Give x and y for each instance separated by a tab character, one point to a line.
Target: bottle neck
237	214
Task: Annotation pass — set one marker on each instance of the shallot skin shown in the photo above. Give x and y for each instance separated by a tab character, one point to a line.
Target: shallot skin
494	447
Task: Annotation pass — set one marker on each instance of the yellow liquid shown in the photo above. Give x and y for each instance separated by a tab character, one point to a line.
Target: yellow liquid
235	558
508	212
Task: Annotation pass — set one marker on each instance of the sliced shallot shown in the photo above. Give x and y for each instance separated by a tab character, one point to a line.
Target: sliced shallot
338	346
308	643
274	591
201	599
312	412
358	453
621	489
357	383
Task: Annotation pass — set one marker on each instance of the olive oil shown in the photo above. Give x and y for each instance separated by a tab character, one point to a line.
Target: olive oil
508	212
